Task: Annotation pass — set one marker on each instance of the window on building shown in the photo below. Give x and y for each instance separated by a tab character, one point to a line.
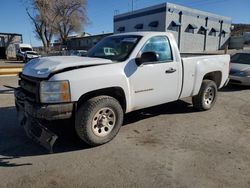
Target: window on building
121	29
191	28
174	26
203	30
213	32
82	42
159	45
153	24
223	33
139	26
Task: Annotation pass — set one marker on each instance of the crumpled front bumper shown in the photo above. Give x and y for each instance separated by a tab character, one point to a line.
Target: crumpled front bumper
32	115
40	134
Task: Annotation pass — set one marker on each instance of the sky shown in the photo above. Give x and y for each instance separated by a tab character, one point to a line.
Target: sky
14	19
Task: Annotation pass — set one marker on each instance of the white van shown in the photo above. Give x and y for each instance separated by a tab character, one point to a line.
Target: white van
21	49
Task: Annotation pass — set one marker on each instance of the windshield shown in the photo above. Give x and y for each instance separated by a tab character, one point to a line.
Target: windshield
116	48
26	49
241	58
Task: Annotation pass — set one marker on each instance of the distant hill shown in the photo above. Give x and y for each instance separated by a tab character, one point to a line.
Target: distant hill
239	29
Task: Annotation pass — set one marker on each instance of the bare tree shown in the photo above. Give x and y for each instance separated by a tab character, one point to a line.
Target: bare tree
52	17
43	16
71	17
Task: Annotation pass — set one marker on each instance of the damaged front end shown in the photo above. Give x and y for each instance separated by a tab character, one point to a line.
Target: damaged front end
32	114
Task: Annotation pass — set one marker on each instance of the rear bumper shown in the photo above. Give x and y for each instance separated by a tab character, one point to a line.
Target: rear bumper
239	80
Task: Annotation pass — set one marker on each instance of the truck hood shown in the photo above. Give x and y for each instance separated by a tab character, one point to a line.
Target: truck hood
43	67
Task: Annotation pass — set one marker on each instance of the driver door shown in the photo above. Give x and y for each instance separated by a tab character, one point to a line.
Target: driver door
156	82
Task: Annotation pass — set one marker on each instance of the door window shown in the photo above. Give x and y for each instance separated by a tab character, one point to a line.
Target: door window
161	46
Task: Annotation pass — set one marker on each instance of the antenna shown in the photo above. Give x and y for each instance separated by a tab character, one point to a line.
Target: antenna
116	12
30	39
132	5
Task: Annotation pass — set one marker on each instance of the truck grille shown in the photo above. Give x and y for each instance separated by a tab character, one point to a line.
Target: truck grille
30	87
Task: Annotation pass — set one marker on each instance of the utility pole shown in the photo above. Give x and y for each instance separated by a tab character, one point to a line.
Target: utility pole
132	5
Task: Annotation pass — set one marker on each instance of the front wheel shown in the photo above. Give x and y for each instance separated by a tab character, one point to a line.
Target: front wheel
98	120
206	97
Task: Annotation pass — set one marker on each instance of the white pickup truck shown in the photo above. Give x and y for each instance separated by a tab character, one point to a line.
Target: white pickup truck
140	70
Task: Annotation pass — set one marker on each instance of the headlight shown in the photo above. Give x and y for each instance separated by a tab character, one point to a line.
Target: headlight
54	92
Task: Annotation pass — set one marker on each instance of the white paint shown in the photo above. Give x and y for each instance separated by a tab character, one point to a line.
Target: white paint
158	87
42	67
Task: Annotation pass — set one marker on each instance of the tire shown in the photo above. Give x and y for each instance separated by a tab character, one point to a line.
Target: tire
206	97
25	60
99	120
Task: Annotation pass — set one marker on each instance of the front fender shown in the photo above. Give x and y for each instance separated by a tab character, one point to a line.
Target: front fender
85	80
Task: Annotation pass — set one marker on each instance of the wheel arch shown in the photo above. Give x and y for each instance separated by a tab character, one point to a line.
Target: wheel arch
215	76
115	92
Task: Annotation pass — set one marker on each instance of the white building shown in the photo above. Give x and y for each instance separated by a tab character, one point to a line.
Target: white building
7	44
194	30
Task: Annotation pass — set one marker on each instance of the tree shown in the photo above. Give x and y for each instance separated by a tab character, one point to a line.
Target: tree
61	17
44	19
71	17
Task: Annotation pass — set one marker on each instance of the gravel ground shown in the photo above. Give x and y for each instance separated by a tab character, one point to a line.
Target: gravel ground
171	145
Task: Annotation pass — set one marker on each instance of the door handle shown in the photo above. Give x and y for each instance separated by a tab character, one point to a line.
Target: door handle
171	70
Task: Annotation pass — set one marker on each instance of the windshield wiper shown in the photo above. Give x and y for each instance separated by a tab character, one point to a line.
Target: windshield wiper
103	57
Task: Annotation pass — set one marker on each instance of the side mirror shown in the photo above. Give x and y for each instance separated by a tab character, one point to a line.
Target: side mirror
147	57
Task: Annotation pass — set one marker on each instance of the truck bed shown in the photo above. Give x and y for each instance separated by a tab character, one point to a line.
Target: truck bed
196	67
183	55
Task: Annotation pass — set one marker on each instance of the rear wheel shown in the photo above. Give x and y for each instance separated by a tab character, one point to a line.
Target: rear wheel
206	97
98	120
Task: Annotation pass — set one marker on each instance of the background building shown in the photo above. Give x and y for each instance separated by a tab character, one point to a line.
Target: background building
194	30
240	36
7	44
85	42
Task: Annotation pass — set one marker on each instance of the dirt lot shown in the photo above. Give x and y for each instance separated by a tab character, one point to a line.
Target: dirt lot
171	145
